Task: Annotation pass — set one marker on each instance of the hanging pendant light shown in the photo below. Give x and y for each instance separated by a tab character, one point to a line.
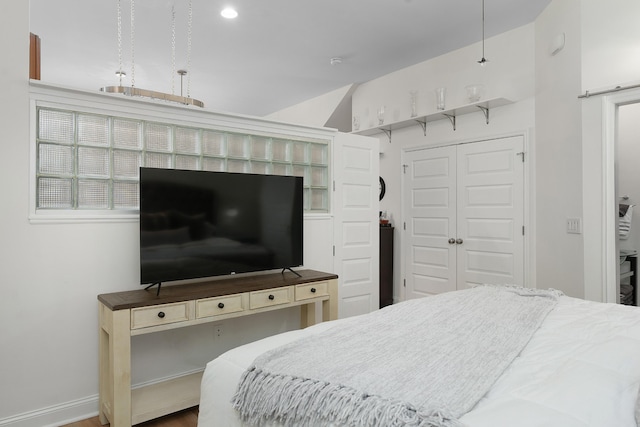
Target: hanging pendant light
483	61
134	91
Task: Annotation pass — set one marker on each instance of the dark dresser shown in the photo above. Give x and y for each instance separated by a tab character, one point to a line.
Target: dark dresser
386	266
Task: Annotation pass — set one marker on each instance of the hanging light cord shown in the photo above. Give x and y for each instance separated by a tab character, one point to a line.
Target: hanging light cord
483	60
482	29
133	42
119	43
189	25
173	49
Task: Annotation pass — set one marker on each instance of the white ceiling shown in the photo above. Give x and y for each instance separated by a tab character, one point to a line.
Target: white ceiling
275	54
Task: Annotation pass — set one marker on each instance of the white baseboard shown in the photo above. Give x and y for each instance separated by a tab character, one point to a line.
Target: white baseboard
69	412
56	415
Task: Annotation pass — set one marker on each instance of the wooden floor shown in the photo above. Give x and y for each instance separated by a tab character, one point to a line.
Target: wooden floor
186	418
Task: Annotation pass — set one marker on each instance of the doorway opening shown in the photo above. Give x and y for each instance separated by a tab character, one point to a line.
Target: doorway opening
617	185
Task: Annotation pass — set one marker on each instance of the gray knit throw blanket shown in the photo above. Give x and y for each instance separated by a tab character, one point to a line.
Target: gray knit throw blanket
423	362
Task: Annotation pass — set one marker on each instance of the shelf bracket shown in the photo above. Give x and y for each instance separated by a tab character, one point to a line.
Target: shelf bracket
452	119
485	110
388	133
423	125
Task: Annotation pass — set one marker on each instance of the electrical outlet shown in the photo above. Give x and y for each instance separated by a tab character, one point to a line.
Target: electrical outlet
218	330
574	225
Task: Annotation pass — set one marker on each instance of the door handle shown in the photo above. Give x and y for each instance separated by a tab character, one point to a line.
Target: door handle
452	241
459	241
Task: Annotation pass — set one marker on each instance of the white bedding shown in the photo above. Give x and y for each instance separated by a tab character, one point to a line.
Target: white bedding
581	368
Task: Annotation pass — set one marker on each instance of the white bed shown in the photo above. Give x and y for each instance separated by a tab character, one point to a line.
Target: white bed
581	368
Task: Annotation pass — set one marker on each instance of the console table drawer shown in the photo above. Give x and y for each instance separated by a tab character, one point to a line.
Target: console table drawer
159	315
311	290
269	297
216	306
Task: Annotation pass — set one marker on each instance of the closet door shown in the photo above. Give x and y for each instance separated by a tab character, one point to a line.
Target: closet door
429	209
490	216
463	212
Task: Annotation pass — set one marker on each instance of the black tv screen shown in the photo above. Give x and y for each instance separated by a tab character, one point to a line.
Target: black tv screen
196	224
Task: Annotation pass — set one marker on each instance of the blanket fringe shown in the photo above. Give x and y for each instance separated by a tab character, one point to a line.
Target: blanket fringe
262	396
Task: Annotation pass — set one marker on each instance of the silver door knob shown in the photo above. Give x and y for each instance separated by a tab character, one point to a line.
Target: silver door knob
452	241
458	241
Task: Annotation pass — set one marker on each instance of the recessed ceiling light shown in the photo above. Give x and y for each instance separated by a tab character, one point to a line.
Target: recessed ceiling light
229	13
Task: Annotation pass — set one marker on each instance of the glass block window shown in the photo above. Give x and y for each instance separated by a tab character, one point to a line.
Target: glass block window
237	146
127	134
93	194
91	162
214	144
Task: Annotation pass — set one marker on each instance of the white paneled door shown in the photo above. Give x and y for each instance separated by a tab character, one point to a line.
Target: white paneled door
430	221
357	226
464	216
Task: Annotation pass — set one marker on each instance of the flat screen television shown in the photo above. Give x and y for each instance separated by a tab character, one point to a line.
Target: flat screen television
196	224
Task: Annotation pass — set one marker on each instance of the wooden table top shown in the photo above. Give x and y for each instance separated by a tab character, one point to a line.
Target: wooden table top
226	285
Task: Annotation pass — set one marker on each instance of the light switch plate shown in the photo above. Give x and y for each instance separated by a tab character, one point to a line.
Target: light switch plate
574	225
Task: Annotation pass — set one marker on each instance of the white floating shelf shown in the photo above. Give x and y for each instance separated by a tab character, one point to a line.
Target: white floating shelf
450	114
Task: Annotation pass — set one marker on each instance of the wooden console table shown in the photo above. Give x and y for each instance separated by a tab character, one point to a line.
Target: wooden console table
125	314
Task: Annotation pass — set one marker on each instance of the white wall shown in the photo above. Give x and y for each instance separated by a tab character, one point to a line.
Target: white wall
318	111
22	300
559	255
509	74
611	43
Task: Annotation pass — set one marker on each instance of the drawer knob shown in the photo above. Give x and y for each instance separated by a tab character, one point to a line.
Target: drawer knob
161	314
271	297
220	305
313	290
